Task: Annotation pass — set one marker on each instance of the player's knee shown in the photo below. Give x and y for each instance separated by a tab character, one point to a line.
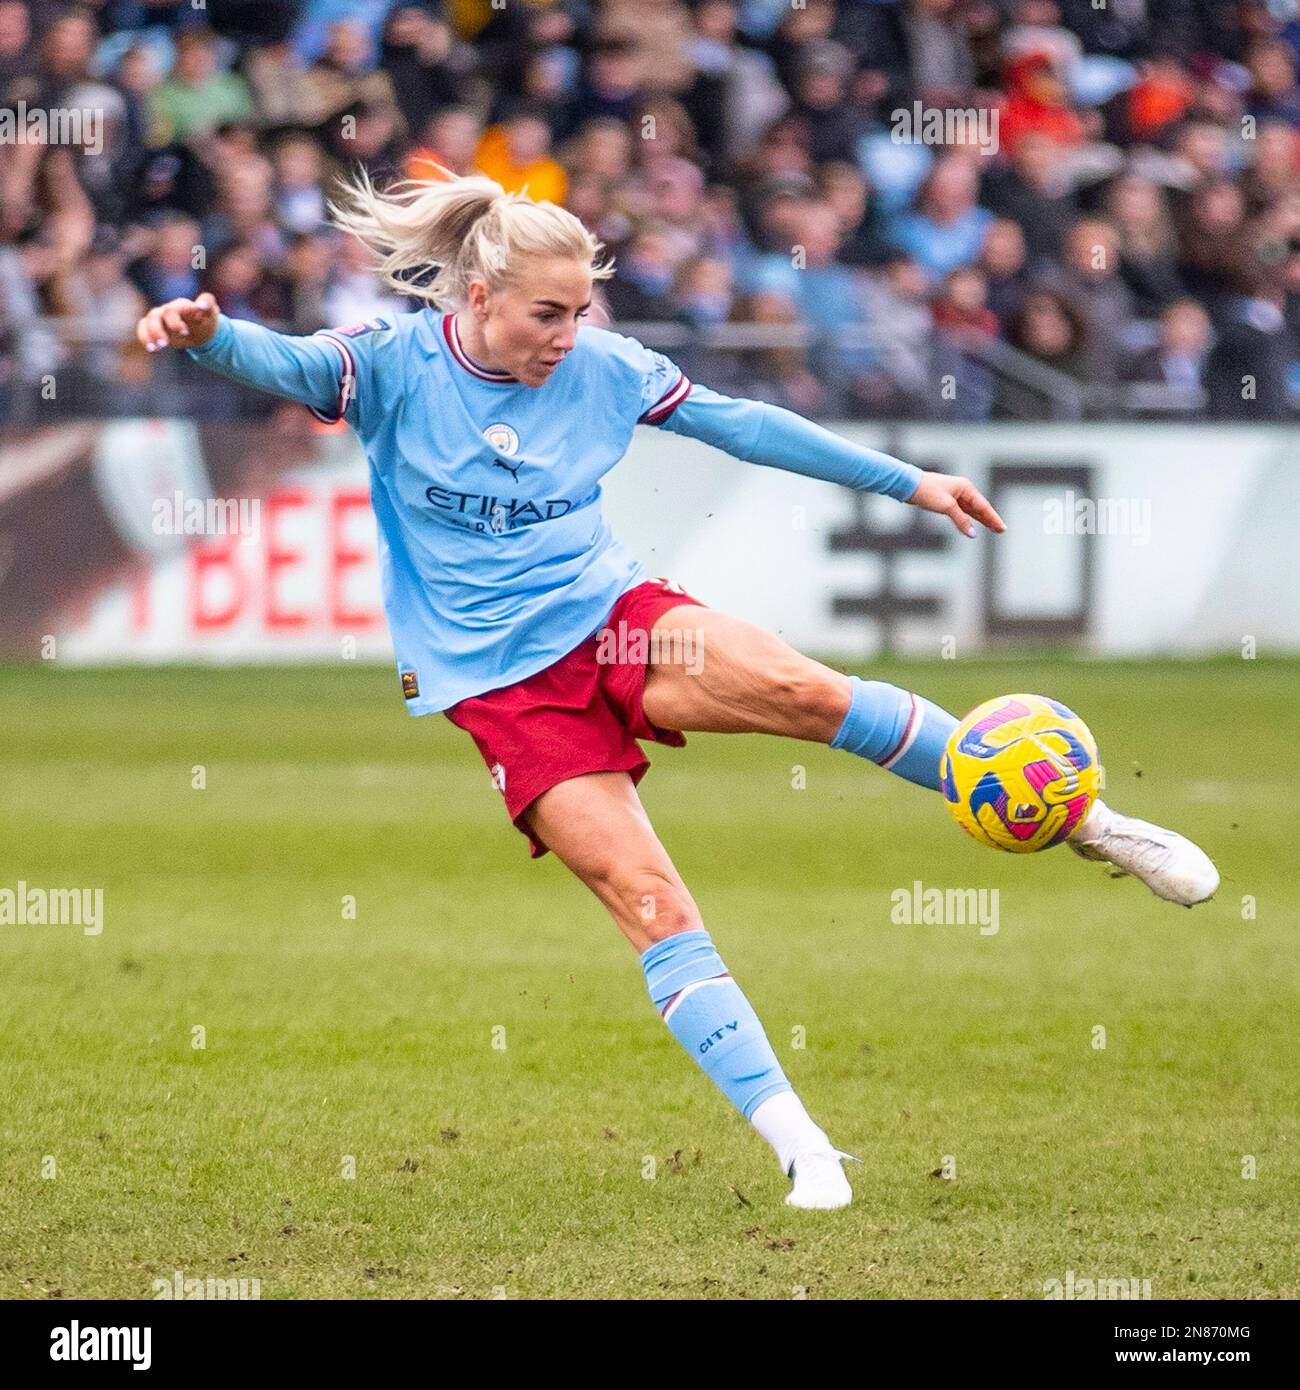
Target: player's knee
665	911
655	901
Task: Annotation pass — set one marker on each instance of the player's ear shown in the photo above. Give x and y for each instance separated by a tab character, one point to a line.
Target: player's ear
477	294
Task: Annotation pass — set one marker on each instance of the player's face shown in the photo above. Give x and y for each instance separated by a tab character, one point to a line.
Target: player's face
530	325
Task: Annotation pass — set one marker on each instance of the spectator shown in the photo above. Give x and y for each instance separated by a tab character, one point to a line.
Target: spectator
703	292
1088	277
781	374
138	74
1211	247
245	210
735	94
779	165
517	154
641	290
15	43
197	96
26	271
1201	153
610	86
1037	31
603	147
344	78
1177	361
845	188
1034	191
243	288
1139	212
899	318
307	264
101	308
549	82
170	268
280	88
65	56
418	55
826	294
941	64
812	22
947	229
109	156
821	101
1275	166
1161	96
1036	104
353	295
962	304
299	176
591	201
1246	376
1274	95
666	133
450	139
673	200
1003	258
369	134
721	230
1049	330
316	29
657	34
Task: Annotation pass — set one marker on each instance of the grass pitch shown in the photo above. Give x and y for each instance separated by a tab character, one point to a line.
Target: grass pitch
477	1041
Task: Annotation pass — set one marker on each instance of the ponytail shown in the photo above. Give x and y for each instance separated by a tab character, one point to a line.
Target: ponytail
431	239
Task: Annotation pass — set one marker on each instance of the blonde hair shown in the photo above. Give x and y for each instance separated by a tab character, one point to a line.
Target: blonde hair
430	239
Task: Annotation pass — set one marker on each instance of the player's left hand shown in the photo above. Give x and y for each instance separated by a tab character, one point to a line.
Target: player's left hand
957	498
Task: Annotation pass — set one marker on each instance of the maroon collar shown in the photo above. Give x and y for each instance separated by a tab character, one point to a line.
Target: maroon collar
462	358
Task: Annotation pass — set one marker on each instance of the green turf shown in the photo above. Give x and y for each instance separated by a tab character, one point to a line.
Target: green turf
520	1172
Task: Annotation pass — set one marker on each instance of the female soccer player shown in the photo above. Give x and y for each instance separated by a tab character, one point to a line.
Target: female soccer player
488	418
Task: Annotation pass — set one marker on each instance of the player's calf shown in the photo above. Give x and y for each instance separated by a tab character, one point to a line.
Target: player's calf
895	729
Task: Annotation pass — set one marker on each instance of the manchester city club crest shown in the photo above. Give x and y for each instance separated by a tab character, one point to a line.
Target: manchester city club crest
503	439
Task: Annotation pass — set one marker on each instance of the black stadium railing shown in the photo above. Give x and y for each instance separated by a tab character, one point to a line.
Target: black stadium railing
58	368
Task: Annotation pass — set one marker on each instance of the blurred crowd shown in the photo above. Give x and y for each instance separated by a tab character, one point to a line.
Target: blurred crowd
956	209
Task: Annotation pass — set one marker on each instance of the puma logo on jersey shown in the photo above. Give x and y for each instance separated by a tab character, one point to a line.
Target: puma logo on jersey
514	472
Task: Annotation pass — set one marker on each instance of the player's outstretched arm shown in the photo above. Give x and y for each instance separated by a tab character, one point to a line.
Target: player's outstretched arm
778	438
317	370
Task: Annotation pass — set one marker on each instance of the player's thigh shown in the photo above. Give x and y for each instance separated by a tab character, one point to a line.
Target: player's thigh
716	673
597	827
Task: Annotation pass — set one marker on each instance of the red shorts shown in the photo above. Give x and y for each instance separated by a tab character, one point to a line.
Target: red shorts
582	714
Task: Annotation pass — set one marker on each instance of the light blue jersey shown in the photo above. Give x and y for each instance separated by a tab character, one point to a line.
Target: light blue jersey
495	557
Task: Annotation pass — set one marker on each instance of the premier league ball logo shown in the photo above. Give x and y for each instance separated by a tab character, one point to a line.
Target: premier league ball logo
1020	773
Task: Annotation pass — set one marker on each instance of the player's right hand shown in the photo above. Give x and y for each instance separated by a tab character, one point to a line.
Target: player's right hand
181	323
958	499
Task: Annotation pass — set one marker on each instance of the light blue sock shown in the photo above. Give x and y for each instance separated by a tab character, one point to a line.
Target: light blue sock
706	1012
902	732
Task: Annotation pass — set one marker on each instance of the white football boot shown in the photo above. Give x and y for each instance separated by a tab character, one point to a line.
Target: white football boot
1170	865
819	1181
